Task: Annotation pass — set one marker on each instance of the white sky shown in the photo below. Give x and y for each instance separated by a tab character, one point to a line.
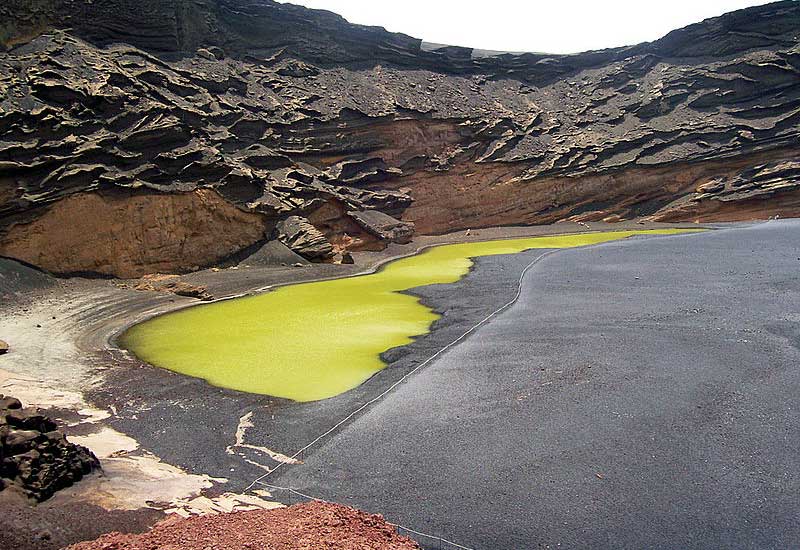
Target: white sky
551	26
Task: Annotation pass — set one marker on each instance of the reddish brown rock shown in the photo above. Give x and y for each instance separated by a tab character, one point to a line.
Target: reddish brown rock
313	525
132	234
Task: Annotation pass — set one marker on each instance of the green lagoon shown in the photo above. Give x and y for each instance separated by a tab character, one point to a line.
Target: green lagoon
313	341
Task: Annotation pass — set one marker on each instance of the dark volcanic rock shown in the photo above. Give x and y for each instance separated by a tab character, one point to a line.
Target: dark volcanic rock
384	226
282	111
34	456
304	239
8	403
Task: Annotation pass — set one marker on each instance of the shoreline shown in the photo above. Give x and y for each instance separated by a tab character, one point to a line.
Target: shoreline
298	323
619	360
113	401
112	340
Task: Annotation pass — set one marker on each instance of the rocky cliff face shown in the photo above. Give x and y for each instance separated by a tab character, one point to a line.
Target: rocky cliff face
288	114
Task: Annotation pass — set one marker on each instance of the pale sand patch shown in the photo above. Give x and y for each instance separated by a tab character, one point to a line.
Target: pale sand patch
225	503
131	482
36	393
41	346
106	443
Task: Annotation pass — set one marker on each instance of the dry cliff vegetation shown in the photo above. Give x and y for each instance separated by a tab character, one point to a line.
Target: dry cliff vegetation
165	135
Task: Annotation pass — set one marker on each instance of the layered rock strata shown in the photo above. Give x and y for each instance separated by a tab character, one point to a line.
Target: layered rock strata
252	114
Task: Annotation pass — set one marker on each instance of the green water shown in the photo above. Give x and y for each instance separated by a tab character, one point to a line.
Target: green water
316	340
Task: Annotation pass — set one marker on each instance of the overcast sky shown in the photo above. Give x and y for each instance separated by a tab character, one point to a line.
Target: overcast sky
551	26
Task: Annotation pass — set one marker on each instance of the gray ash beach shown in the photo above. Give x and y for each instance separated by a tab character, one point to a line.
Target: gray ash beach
216	442
639	395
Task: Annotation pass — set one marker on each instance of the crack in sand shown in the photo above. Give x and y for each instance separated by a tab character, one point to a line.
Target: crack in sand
246	422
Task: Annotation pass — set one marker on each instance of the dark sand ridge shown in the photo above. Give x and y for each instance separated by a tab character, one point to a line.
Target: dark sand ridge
68	360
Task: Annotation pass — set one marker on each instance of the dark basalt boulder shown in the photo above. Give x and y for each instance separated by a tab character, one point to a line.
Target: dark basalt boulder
9	403
35	457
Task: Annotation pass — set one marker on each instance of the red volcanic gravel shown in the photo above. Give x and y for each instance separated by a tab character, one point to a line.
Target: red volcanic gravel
308	526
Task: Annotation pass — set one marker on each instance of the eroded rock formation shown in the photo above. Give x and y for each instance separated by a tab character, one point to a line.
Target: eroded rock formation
279	112
300	236
130	234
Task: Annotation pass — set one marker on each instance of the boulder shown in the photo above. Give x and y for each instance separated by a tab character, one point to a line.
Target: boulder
304	239
383	226
29	419
18	442
9	404
298	69
172	283
212	53
3	347
192	291
35	456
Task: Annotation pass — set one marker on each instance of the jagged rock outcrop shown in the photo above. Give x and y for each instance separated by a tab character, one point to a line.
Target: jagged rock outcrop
738	194
383	226
35	457
282	111
157	282
304	239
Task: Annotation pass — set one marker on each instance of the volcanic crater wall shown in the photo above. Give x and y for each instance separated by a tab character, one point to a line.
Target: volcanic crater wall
168	135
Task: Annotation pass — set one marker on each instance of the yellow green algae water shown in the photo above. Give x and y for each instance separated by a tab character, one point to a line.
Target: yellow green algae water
313	341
